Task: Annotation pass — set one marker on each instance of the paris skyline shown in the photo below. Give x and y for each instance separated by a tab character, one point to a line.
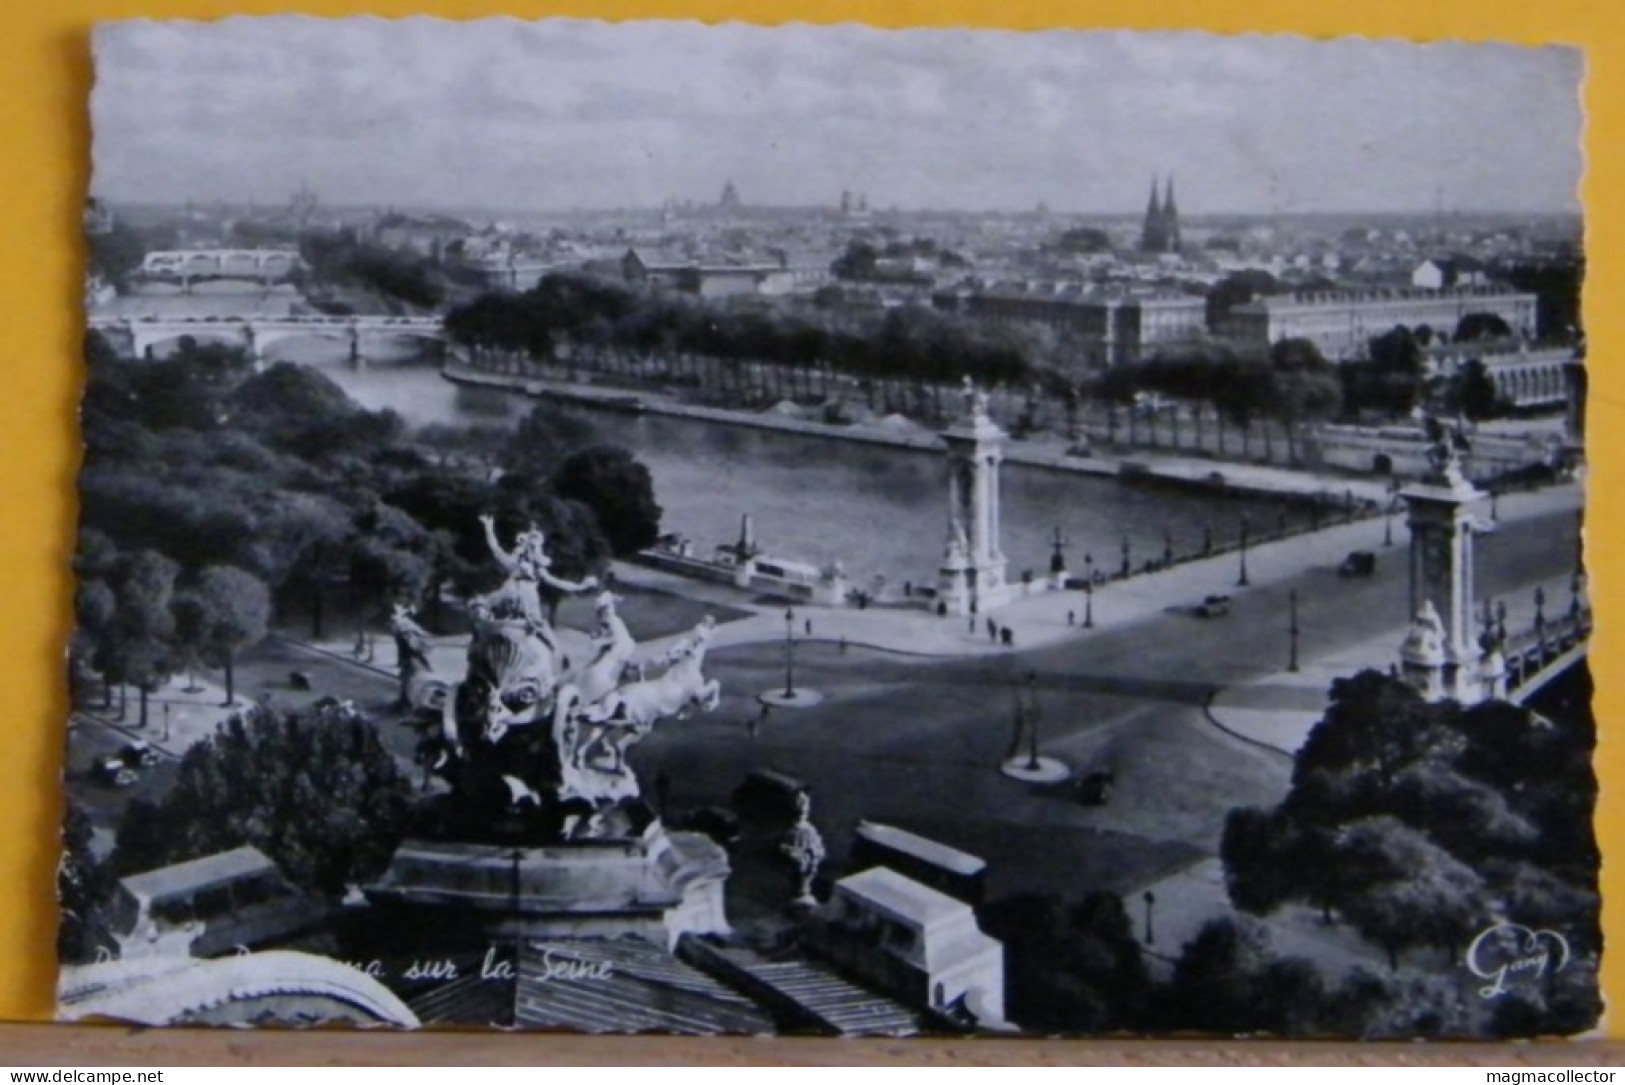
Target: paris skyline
569	114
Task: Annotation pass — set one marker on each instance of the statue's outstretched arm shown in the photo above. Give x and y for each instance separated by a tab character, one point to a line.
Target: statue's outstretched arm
509	562
569	587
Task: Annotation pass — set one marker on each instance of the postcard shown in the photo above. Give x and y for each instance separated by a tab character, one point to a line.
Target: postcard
728	529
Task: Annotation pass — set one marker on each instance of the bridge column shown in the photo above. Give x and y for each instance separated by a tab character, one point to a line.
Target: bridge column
1439	656
254	353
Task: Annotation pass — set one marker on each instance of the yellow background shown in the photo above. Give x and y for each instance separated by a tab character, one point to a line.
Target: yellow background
44	140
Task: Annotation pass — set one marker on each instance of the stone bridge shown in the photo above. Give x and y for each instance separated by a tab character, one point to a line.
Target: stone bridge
138	336
1536	657
186	266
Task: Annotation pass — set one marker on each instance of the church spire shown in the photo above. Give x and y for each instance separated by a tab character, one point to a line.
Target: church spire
1152	209
1168	207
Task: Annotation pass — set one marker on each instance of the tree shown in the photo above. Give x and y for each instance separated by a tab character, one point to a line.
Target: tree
1418	823
620	492
1404	891
316	791
1475	326
1228	981
1235	289
227	610
84	888
1305	386
144	629
543	438
1069	969
1472	393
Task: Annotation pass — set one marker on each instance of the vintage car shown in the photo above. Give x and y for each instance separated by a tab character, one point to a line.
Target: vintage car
1358	563
113	772
138	755
1214	606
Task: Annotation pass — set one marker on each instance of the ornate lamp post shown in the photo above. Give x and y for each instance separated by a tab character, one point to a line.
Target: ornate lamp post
1246	526
1292	628
1388	523
1088	604
1032	722
789	654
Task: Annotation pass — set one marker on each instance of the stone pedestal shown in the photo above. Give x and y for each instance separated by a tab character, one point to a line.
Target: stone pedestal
658	887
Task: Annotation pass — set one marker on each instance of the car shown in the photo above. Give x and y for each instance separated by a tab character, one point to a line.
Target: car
1358	563
138	755
1214	606
113	772
1095	788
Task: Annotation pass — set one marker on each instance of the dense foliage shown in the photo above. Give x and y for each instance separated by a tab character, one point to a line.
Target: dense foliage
316	791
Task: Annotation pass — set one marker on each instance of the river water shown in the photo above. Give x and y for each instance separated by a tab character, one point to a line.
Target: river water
879	511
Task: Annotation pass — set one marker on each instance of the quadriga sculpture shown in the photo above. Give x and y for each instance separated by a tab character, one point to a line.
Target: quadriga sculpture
525	741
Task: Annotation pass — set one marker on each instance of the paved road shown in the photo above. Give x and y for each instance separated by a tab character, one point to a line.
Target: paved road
917	741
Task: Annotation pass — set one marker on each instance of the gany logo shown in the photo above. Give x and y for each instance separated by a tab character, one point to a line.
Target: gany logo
1511	955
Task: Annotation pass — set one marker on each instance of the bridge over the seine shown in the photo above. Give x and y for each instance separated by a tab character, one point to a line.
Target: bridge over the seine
139	336
186	266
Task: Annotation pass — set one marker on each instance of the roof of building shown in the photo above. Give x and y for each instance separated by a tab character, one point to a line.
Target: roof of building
931	851
195	874
903	897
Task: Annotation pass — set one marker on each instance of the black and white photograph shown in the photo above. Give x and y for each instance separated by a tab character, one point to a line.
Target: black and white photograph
725	529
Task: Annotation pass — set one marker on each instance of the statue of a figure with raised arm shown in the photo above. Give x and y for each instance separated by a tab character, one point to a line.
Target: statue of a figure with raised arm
528	567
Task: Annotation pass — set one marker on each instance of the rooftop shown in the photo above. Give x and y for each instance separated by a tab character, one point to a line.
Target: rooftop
197	874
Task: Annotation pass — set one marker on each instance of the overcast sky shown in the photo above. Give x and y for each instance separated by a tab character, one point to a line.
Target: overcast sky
573	114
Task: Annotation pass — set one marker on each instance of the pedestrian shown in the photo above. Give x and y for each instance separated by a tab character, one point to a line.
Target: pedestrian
809	627
973	624
1071	618
992	631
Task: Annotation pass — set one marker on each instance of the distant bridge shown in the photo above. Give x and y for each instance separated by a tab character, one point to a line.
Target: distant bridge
138	336
186	266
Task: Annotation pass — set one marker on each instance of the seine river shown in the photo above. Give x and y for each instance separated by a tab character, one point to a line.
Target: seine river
879	511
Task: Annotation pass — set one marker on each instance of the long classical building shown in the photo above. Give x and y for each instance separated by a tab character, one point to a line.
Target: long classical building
1116	329
1343	322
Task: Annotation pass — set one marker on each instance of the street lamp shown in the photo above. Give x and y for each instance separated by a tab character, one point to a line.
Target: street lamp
1292	628
1242	581
1150	899
1388	523
789	654
1126	552
1032	722
1088	604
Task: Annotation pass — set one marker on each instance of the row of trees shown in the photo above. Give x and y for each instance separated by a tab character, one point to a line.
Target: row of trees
213	495
341	258
593	314
1420	824
1291	383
